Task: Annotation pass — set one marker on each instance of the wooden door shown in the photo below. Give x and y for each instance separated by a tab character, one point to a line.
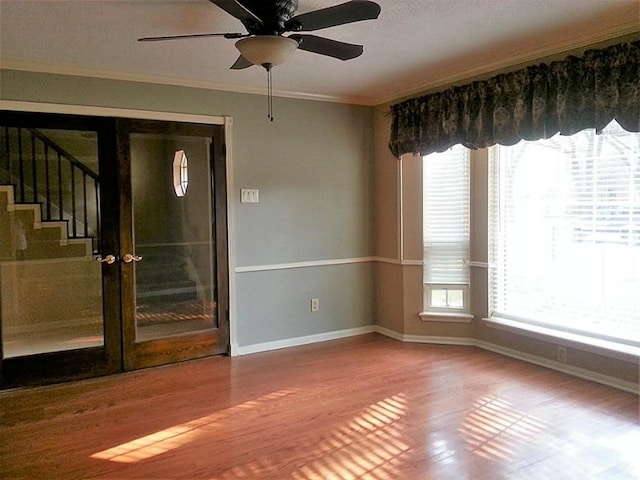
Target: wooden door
59	275
173	241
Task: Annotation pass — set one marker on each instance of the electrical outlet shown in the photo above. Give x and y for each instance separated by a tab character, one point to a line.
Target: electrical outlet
315	304
562	355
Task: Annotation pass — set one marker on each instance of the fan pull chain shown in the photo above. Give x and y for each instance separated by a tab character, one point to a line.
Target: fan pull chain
267	67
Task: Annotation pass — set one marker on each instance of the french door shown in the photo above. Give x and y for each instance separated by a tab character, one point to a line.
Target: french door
112	245
173	241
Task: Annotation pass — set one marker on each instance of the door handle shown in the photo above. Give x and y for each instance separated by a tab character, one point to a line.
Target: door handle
109	259
128	258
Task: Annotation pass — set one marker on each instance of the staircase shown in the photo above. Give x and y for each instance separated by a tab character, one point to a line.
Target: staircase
24	236
44	173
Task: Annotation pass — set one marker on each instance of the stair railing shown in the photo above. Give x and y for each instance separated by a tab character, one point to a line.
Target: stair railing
44	172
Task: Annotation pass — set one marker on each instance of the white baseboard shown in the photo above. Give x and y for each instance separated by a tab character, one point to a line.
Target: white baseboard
389	333
468	342
423	338
459	341
297	341
543	362
561	367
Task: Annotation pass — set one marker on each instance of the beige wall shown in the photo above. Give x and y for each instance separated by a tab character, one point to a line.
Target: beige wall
386	201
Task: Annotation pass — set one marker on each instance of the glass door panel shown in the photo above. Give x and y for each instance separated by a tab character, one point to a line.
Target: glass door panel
174	245
50	283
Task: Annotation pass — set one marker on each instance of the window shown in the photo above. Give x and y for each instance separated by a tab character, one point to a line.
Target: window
565	233
446	230
180	173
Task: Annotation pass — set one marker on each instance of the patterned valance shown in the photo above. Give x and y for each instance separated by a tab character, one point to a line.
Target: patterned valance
529	104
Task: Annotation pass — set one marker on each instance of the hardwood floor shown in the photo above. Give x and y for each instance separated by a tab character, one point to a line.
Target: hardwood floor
367	407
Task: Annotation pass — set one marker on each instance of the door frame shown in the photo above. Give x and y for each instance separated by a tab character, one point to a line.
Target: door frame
226	121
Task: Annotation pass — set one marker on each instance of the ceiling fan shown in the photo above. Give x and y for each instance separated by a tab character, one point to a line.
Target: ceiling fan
267	22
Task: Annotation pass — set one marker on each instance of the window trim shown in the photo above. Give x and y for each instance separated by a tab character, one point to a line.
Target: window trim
446	317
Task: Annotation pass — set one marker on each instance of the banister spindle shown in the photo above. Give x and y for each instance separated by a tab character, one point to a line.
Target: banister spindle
84	204
47	186
98	222
60	192
34	169
7	149
74	228
20	166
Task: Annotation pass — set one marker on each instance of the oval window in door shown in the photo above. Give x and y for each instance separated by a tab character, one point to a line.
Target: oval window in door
180	173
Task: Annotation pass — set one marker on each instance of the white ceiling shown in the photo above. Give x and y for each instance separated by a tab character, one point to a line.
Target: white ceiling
414	45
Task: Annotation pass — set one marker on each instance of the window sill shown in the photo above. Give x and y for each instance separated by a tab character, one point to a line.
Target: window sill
446	317
560	337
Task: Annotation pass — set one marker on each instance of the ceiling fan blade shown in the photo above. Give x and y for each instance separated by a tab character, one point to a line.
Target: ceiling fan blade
236	9
194	35
241	63
349	12
328	47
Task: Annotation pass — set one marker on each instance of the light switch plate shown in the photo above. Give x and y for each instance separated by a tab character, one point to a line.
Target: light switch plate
249	195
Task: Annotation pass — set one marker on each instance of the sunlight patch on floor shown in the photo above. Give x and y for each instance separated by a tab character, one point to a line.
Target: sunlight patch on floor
495	430
370	446
177	436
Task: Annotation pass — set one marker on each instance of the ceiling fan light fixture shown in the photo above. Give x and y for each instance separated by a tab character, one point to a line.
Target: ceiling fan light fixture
267	49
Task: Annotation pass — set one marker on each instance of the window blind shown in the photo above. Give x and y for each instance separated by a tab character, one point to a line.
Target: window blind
446	217
565	233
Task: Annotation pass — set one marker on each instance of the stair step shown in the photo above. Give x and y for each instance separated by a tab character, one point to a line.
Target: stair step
178	284
164	277
169	296
43	239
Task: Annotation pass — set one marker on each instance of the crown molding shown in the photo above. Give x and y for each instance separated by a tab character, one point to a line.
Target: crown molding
37	67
